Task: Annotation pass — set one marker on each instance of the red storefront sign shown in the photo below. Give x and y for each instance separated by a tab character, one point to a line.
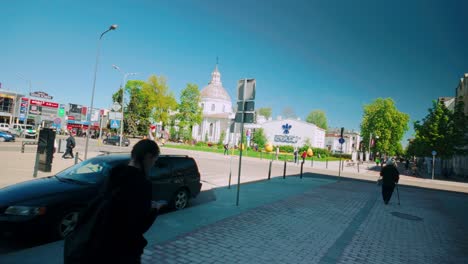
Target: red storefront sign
43	103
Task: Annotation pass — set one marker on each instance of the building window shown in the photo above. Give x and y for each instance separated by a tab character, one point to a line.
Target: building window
211	130
6	105
212	108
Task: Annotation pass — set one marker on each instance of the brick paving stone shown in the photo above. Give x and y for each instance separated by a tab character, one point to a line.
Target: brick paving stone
343	222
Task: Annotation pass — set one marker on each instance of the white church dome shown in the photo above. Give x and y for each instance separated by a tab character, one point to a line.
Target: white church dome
215	89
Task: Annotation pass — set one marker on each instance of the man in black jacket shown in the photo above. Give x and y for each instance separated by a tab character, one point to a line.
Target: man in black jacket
70	146
390	177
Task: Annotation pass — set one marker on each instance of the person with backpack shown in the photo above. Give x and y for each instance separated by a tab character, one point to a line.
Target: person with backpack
111	229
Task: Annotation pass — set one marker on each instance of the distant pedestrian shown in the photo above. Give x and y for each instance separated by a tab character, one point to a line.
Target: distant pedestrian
296	153
226	149
407	165
304	156
390	177
71	143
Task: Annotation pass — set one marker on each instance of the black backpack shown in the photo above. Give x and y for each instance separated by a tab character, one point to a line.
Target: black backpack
91	230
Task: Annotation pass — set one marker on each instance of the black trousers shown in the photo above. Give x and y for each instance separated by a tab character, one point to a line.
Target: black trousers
387	191
68	151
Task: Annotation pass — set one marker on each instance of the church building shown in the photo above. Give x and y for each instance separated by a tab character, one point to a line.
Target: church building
216	105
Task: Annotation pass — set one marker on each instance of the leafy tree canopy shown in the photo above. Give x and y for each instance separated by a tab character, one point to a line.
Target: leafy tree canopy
318	118
383	120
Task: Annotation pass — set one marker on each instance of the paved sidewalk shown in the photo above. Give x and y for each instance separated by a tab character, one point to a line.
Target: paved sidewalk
342	222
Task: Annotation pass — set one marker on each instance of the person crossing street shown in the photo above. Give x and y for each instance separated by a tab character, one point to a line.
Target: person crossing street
71	143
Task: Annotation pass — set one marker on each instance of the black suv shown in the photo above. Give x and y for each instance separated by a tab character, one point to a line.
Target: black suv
54	203
115	140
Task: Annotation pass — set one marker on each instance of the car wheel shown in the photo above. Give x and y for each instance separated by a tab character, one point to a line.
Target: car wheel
67	223
181	199
2	139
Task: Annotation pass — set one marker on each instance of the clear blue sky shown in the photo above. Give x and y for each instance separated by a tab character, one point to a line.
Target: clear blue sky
330	55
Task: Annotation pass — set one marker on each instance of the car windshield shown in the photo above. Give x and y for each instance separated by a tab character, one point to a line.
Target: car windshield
89	171
30	127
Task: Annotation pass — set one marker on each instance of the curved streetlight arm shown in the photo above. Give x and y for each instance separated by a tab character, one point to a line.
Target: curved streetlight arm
113	27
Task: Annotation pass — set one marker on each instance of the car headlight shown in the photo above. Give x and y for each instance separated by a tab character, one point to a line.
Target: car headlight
25	210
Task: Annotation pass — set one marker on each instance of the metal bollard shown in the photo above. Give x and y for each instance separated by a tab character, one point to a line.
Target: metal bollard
76	158
36	165
302	166
284	171
312	162
358	167
230	173
22	147
269	170
326	163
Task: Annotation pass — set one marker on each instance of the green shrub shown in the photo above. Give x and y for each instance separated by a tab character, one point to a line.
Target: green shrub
200	144
343	156
286	148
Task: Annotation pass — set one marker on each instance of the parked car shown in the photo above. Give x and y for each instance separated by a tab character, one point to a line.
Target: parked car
4	127
53	204
115	140
27	131
5	136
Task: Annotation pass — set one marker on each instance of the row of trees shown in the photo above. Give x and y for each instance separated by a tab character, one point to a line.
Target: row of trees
441	130
152	101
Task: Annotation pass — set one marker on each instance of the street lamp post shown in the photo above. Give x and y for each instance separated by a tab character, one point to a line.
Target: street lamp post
122	86
113	27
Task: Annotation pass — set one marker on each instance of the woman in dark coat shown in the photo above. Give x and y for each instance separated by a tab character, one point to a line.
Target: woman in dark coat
390	177
133	211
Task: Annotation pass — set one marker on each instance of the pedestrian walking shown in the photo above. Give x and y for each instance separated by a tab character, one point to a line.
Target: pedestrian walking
390	176
71	143
296	153
226	149
123	216
304	156
407	165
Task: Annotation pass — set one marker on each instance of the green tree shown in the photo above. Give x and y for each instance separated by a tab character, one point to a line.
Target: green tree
265	111
136	113
318	118
435	132
383	120
259	138
460	127
190	112
222	137
160	100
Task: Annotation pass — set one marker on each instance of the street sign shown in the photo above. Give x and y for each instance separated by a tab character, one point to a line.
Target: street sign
116	106
246	106
114	123
57	121
249	117
115	115
434	153
246	93
341	140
